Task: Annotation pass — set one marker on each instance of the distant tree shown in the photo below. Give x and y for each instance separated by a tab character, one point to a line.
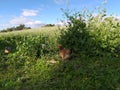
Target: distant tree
49	25
10	29
20	27
27	28
3	30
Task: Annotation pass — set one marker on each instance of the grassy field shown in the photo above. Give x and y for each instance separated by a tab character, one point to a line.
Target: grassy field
23	70
35	31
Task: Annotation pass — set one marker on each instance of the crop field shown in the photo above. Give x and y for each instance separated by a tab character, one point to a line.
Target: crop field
33	62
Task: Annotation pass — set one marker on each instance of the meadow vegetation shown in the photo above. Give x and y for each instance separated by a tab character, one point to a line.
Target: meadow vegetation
95	62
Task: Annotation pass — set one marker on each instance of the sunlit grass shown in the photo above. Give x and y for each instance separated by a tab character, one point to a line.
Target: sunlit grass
35	31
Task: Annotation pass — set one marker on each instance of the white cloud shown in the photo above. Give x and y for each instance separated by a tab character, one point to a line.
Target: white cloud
31	12
34	24
62	23
118	17
23	20
59	1
19	20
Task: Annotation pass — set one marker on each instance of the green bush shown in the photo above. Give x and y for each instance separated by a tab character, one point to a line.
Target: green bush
25	49
76	36
106	32
96	35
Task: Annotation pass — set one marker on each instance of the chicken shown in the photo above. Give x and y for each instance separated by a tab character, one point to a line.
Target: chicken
64	53
7	50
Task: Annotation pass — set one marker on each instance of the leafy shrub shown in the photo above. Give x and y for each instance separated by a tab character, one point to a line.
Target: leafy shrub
106	32
31	46
96	35
76	36
25	50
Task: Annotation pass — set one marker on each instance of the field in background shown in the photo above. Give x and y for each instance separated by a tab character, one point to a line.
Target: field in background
35	31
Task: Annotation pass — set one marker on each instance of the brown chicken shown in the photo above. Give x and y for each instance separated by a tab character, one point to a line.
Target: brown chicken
64	53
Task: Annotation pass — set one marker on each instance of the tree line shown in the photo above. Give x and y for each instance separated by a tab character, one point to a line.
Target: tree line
17	28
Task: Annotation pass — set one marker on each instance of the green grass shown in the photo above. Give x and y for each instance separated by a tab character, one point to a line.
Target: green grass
83	73
34	31
19	72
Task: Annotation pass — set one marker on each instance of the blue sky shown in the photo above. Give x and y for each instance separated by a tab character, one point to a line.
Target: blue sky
36	12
